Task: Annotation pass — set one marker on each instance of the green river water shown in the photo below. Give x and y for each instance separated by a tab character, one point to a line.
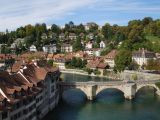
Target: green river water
108	105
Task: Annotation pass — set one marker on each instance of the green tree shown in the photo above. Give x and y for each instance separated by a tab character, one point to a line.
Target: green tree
146	20
84	63
93	29
30	30
55	29
50	62
79	63
122	60
73	61
107	31
80	29
77	45
133	66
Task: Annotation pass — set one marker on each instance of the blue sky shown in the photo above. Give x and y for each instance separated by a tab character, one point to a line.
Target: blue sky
16	13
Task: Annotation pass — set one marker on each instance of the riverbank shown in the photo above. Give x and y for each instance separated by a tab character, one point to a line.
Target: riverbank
82	72
126	75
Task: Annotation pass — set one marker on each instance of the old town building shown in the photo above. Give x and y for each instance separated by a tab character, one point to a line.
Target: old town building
142	56
30	93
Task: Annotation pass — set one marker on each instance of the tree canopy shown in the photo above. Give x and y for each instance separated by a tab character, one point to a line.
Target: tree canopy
122	60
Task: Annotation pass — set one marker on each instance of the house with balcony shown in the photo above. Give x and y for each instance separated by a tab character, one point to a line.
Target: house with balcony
62	37
72	36
93	52
50	48
66	48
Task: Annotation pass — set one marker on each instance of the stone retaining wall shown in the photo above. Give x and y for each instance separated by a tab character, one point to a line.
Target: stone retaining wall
128	75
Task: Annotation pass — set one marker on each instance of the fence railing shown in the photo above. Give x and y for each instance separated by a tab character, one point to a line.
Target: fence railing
109	83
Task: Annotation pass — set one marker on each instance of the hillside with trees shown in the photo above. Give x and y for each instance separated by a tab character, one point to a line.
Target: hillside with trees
137	34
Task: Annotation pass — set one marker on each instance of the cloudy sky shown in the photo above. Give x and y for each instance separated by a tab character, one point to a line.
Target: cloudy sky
16	13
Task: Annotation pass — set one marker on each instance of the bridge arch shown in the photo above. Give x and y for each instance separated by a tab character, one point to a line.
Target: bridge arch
100	89
65	88
73	91
148	85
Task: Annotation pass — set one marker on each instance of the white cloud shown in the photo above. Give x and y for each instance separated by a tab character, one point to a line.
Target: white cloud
15	13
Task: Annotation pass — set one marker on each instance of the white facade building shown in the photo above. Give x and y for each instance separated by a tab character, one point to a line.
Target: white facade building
142	56
72	36
93	52
102	44
66	48
89	45
33	48
50	48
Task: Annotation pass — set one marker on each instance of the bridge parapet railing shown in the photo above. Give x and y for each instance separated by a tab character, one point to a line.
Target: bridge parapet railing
110	82
147	81
93	83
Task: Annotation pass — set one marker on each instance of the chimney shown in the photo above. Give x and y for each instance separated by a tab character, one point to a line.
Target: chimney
21	69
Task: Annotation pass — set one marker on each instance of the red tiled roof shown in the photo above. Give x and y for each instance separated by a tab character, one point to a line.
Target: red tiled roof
16	67
7	56
102	65
111	55
9	90
50	56
33	55
97	64
35	74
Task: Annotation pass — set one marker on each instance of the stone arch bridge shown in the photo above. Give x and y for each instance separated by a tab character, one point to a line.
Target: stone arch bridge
91	89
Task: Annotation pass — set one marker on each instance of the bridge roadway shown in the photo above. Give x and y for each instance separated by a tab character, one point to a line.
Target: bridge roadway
91	88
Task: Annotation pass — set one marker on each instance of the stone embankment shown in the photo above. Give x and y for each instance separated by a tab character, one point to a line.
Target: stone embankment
126	75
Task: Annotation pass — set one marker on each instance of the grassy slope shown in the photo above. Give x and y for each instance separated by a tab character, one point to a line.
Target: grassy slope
155	41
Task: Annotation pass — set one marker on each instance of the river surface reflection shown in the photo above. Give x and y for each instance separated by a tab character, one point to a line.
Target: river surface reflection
82	78
108	105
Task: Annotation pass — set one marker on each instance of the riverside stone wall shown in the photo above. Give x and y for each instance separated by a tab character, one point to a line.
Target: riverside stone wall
130	75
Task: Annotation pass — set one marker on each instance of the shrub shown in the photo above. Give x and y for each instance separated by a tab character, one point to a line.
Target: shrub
134	77
96	72
89	70
50	62
105	72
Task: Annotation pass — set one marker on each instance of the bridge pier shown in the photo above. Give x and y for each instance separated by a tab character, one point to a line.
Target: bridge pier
158	92
129	91
91	92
